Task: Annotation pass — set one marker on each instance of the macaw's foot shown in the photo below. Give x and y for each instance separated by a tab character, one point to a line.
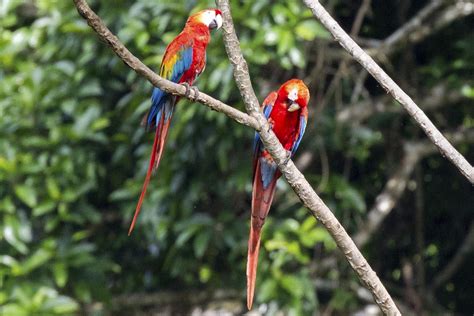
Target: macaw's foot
187	94
196	93
270	124
288	157
188	89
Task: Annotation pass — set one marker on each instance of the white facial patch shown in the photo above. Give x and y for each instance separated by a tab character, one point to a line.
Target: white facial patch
218	21
293	94
209	17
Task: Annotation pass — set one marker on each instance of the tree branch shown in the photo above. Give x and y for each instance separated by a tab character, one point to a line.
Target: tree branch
294	177
446	149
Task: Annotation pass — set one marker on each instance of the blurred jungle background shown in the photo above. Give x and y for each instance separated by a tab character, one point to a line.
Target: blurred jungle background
73	157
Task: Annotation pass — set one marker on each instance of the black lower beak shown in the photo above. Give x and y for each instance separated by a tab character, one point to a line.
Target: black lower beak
213	25
293	106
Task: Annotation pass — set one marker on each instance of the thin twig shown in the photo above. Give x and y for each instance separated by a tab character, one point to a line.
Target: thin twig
419	260
396	184
294	177
364	7
448	271
446	149
438	96
412	25
418	28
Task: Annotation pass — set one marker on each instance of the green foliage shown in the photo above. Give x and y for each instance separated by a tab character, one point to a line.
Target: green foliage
73	157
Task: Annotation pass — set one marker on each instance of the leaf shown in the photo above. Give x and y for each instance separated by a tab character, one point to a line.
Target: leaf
285	42
11	232
200	243
120	195
467	91
14	309
292	285
354	198
60	273
26	194
342	299
311	29
61	305
205	274
184	236
7	260
296	57
268	289
308	224
44	208
53	188
40	257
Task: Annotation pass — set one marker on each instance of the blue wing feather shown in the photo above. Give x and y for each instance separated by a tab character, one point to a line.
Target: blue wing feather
183	63
267	167
302	128
159	97
267	110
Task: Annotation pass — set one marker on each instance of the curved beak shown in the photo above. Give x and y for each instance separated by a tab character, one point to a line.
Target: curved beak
216	23
293	107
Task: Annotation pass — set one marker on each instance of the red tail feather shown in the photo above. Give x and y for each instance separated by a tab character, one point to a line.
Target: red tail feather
261	202
156	152
252	262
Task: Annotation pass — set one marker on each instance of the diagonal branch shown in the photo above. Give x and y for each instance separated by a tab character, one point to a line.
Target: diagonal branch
294	177
444	146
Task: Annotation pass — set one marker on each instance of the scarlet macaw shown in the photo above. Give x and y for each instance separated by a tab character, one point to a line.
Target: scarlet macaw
184	60
287	115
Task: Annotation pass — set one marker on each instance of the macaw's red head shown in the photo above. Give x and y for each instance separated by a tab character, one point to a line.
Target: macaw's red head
211	18
295	94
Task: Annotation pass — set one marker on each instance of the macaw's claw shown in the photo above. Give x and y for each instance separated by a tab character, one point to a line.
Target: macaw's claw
188	89
187	94
288	157
270	124
196	93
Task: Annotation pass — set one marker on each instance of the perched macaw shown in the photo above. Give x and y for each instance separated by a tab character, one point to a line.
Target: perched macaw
287	115
184	60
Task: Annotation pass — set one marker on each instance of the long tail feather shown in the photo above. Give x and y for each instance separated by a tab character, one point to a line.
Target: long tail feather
156	153
261	201
252	262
